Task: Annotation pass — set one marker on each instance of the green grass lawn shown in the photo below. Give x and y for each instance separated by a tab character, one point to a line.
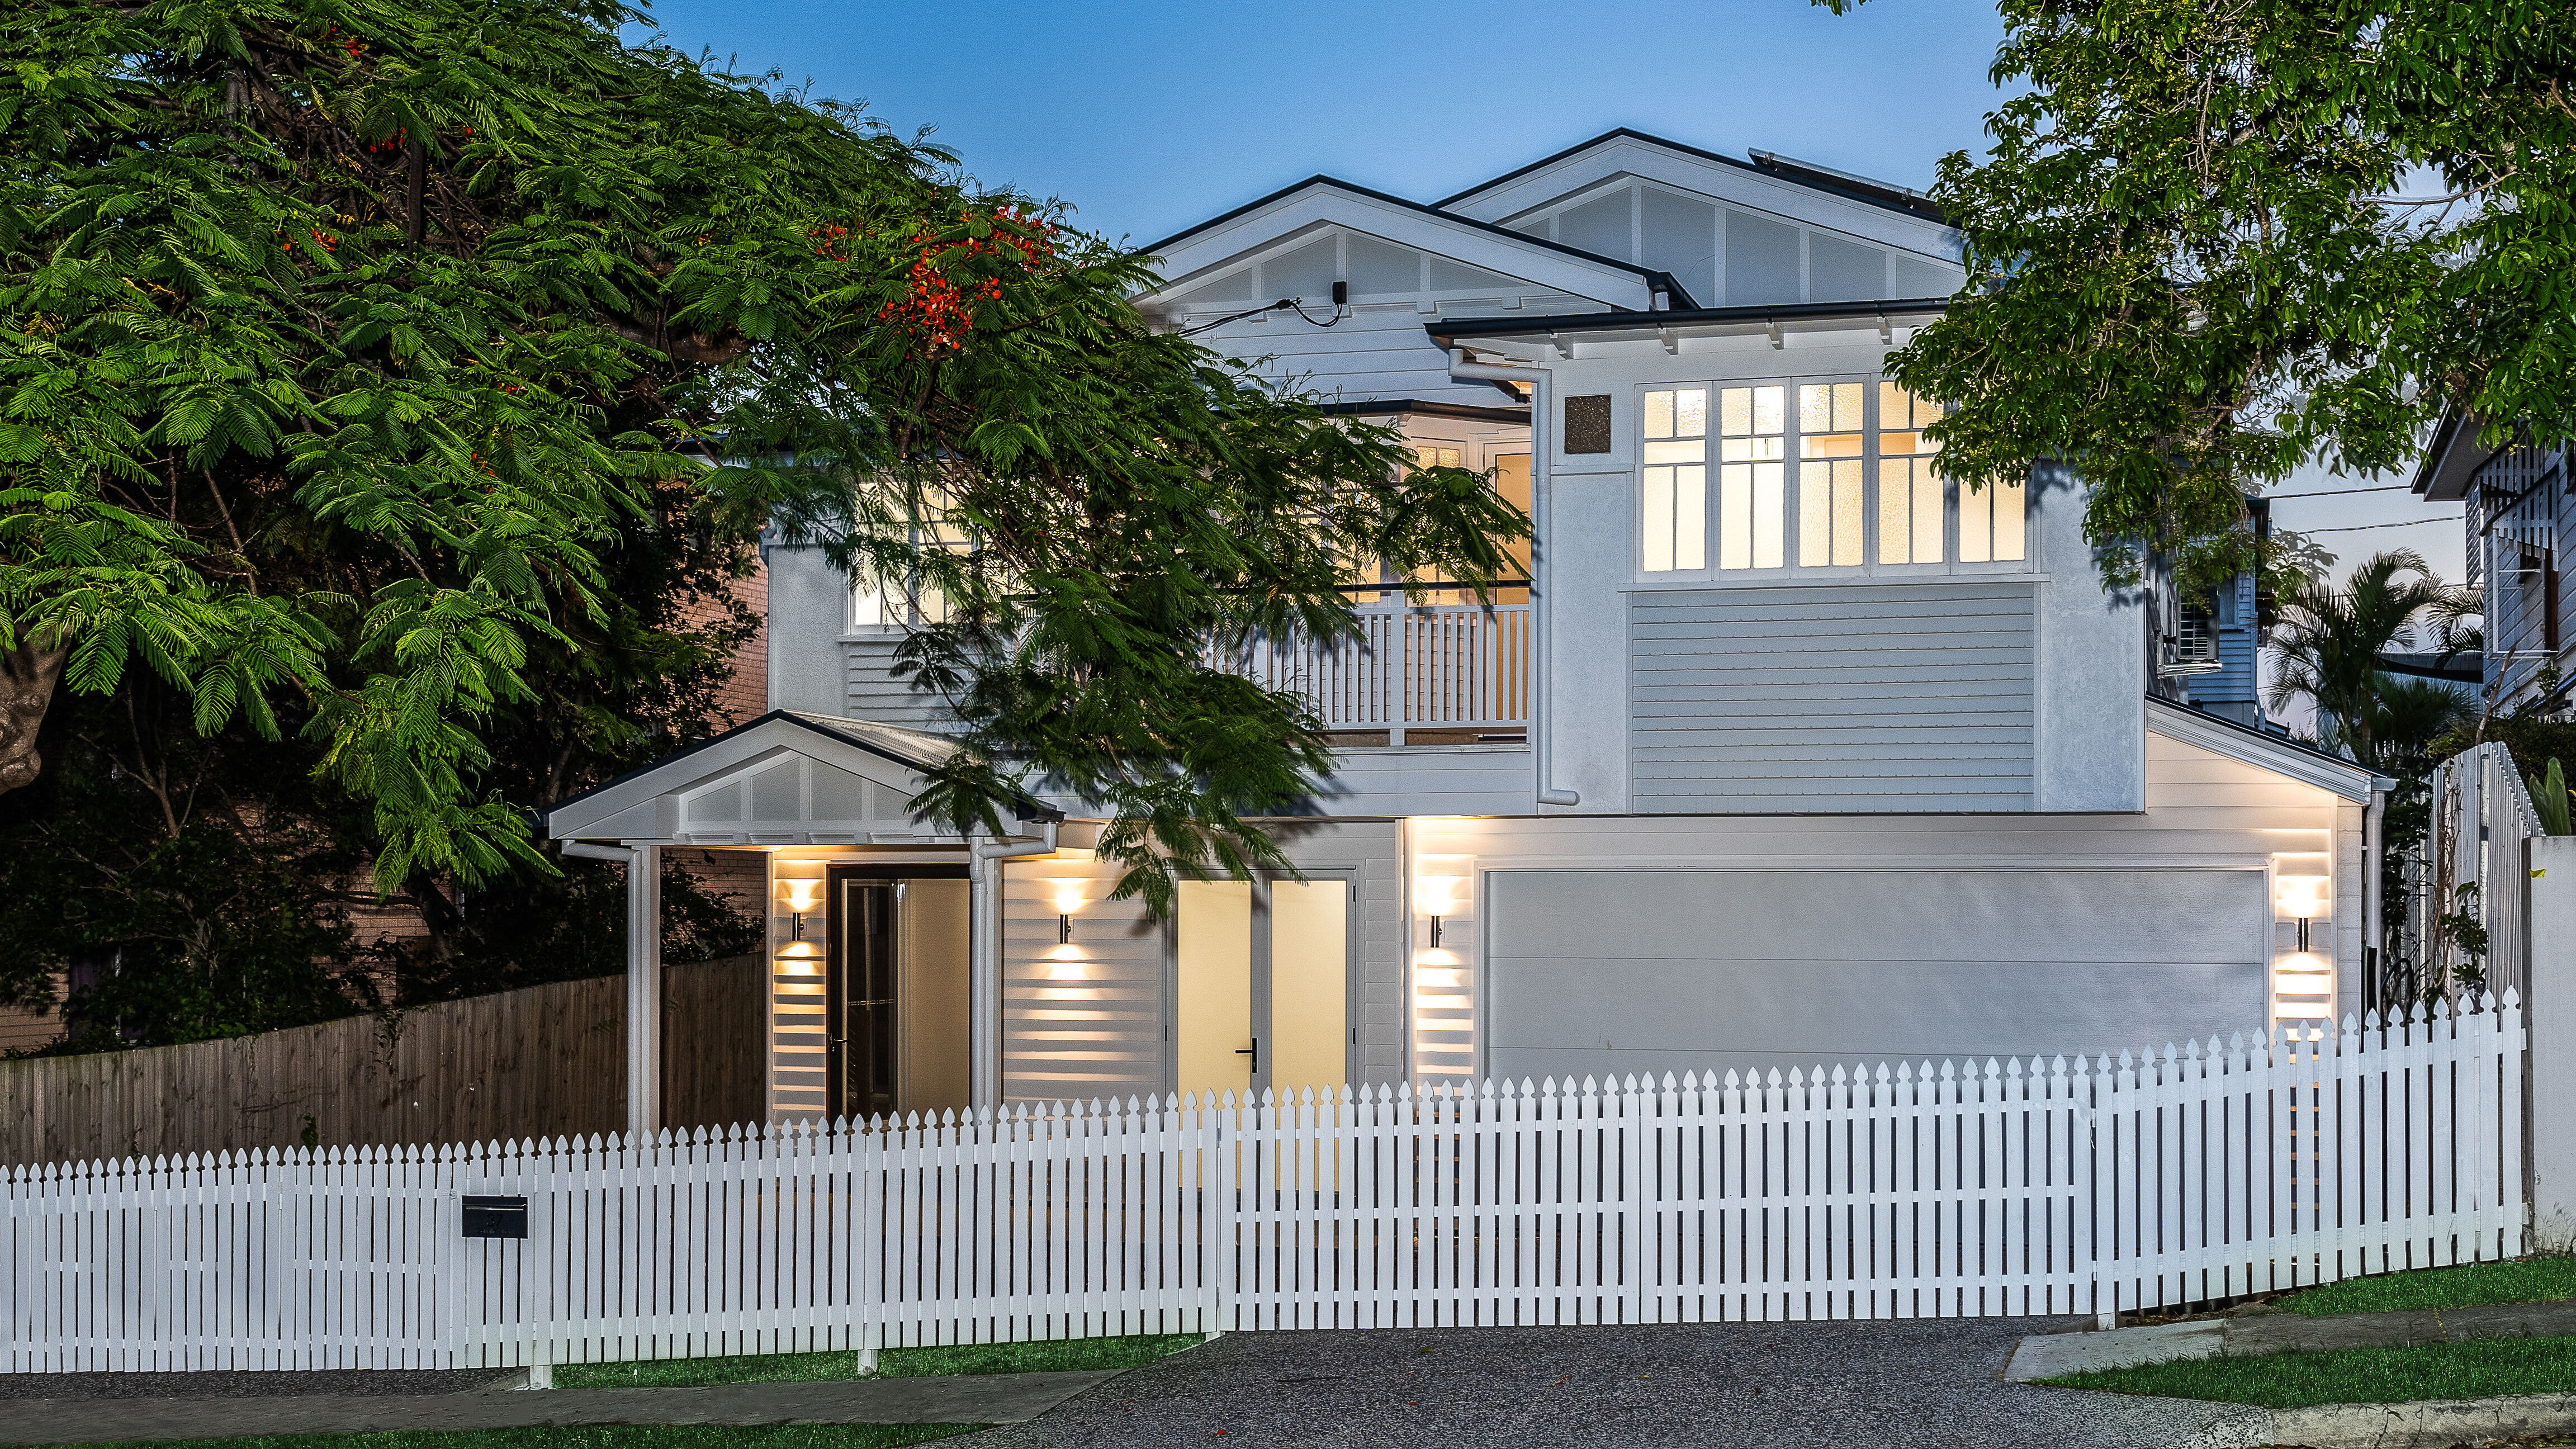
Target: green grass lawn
685	1436
1052	1356
2354	1375
2529	1280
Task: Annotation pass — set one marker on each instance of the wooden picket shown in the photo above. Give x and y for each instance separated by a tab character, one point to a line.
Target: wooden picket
1918	1189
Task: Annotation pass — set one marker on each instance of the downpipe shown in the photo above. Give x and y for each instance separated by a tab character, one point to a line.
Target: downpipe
1541	701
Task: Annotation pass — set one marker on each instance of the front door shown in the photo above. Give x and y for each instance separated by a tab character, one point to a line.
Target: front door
896	1009
1262	1000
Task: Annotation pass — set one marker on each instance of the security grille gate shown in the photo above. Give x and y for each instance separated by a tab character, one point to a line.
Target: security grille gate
1902	1190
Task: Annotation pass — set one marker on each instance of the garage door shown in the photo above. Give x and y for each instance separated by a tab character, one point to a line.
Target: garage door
1593	972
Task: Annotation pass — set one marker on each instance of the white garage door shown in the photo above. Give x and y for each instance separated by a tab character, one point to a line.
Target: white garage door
1594	972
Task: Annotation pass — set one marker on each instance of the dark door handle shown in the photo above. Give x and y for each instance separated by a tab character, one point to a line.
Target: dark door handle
1253	1051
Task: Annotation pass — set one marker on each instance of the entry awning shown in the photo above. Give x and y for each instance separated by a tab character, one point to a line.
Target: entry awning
786	778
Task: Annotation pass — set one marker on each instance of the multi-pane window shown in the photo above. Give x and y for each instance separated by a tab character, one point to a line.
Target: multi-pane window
1831	510
1435	457
1674	502
1751	507
1868	492
1909	491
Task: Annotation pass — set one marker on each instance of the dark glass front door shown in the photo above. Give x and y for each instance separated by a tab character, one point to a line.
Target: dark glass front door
863	999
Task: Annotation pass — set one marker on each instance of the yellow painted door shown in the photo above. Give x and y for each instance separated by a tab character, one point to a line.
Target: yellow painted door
1212	1017
1309	985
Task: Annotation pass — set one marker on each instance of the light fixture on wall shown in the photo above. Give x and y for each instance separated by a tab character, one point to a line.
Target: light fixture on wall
2299	898
1068	899
1438	899
801	896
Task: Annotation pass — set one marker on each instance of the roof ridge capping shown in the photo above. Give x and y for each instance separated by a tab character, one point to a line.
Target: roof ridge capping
1886	193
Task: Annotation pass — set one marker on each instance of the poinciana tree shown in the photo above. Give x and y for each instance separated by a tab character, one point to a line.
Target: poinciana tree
339	339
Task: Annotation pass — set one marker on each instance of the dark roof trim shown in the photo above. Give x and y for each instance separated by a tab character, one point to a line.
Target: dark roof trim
1690	317
1156	249
1033	810
1814	178
2467	668
2452	459
2278	741
1858	188
1468	411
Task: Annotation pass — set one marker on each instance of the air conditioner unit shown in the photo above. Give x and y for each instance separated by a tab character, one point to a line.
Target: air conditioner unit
2192	647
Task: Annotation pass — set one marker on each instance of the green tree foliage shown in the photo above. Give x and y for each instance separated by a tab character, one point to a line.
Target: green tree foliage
2211	242
343	343
2328	645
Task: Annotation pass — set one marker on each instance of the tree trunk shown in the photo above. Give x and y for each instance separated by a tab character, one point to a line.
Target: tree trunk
28	675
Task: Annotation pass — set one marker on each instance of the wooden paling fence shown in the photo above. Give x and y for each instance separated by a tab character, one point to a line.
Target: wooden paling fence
542	1059
1905	1190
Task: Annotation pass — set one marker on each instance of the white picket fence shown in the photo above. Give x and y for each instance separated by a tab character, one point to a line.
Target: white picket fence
1897	1191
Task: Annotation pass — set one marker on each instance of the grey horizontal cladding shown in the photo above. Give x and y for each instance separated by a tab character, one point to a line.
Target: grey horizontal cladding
1833	697
875	693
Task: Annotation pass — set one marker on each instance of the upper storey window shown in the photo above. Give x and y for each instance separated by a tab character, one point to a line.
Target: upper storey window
1867	493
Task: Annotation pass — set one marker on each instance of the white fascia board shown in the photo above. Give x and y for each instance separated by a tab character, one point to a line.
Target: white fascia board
725	755
1628	156
1314	207
1540	345
2191	727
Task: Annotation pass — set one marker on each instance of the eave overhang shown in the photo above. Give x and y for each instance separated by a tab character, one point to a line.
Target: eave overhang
1785	317
2264	750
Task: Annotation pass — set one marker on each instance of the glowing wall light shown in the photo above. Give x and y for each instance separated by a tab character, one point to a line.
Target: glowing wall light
2299	898
1437	896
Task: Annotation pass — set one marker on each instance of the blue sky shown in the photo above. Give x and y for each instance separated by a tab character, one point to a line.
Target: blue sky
1149	117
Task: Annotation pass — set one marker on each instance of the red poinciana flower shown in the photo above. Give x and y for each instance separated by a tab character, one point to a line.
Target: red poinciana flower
943	285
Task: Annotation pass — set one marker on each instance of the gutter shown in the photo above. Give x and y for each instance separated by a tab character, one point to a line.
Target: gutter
1542	739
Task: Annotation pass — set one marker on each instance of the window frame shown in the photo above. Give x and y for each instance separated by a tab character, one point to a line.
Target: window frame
1793	446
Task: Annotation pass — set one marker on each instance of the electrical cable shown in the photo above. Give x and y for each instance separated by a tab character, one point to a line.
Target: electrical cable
1287	304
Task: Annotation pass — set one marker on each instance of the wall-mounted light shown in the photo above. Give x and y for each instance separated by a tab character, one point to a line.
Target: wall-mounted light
801	896
1068	899
2299	898
1438	899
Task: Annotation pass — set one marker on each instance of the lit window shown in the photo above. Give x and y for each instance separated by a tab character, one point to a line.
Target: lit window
1750	490
1909	491
1673	485
1831	511
1990	522
1435	457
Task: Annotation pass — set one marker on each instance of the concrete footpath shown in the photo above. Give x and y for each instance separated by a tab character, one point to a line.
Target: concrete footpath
968	1399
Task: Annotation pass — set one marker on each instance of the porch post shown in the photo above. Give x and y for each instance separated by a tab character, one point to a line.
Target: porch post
983	980
644	991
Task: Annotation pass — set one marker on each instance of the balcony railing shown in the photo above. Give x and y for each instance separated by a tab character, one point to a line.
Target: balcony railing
1438	668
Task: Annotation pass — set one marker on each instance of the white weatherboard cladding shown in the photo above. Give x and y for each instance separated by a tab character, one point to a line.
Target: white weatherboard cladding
1868	696
1736	969
1089	1018
2204	808
1377	350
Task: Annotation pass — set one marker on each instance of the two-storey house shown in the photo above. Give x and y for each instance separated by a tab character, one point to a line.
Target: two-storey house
1791	751
2515	500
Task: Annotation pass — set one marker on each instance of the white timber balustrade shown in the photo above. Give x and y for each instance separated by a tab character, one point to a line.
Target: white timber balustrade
1898	1190
1444	667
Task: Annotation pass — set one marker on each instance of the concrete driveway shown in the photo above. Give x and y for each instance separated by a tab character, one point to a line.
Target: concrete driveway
1912	1383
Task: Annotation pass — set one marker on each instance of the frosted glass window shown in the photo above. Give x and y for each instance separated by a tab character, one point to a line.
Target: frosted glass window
1832	507
1672	494
1751	422
1909	490
1435	457
1991	522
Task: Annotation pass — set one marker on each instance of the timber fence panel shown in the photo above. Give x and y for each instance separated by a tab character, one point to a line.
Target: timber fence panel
2186	1174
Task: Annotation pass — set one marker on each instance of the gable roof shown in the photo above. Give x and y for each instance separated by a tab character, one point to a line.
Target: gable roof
853	742
1820	178
1319	179
2264	750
